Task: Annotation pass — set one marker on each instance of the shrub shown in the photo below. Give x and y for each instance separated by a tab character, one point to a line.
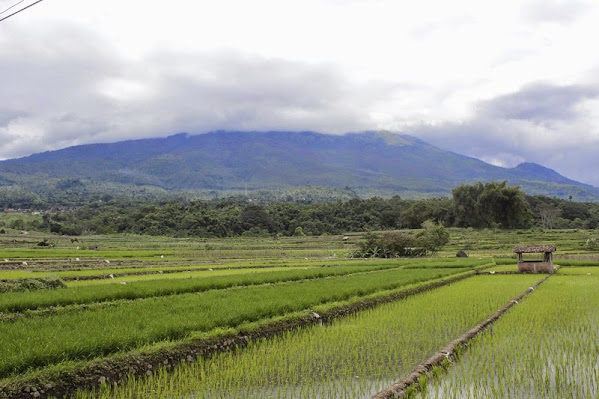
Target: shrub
32	284
299	231
433	237
591	244
398	244
389	245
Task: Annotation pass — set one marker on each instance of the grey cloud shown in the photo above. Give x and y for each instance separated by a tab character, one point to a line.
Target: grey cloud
540	123
46	77
538	102
229	91
558	11
7	114
55	95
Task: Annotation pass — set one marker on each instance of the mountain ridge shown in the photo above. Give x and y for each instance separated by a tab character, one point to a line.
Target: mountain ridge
371	163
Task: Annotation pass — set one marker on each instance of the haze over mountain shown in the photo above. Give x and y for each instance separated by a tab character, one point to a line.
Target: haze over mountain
370	163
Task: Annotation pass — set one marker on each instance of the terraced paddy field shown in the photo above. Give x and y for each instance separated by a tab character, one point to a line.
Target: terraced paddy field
262	317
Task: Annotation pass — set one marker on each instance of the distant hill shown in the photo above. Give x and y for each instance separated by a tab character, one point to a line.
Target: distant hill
369	163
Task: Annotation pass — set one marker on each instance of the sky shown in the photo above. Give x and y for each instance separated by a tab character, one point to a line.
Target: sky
504	81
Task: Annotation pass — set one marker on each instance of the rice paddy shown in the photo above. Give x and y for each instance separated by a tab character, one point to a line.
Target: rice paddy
547	347
92	292
87	333
140	296
352	357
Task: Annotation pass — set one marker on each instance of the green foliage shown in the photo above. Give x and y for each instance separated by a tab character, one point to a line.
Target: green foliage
299	232
490	205
398	244
31	284
433	236
45	243
389	245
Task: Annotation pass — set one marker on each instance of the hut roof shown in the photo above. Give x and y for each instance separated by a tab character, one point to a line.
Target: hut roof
534	248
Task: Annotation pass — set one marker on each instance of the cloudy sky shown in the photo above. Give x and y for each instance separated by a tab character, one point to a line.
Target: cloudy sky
505	81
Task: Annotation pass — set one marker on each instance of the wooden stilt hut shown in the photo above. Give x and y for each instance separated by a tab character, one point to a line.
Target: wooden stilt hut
544	265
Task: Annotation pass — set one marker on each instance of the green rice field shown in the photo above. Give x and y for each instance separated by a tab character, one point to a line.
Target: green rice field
292	317
353	357
546	348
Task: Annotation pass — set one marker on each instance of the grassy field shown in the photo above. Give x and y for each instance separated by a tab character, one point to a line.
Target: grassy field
479	242
139	295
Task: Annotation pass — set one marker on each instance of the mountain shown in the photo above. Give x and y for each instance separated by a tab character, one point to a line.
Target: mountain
369	163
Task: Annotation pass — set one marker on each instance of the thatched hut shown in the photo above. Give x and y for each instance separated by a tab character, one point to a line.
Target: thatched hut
544	265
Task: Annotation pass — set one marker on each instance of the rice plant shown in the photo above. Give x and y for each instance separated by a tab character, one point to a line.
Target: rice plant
85	334
353	357
123	288
546	347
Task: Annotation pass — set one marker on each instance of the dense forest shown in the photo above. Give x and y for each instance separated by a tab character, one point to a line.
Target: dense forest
482	205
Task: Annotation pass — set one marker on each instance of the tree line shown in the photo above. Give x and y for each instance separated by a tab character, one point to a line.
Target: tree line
481	205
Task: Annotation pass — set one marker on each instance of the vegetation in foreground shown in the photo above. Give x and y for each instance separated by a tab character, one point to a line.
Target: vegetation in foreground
88	333
147	320
546	347
352	357
17	302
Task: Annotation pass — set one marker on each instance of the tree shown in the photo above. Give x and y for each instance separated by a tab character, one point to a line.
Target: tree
490	205
254	216
549	215
399	244
433	236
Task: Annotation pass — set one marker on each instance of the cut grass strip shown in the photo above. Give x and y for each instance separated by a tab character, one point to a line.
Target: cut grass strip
135	278
101	270
45	253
